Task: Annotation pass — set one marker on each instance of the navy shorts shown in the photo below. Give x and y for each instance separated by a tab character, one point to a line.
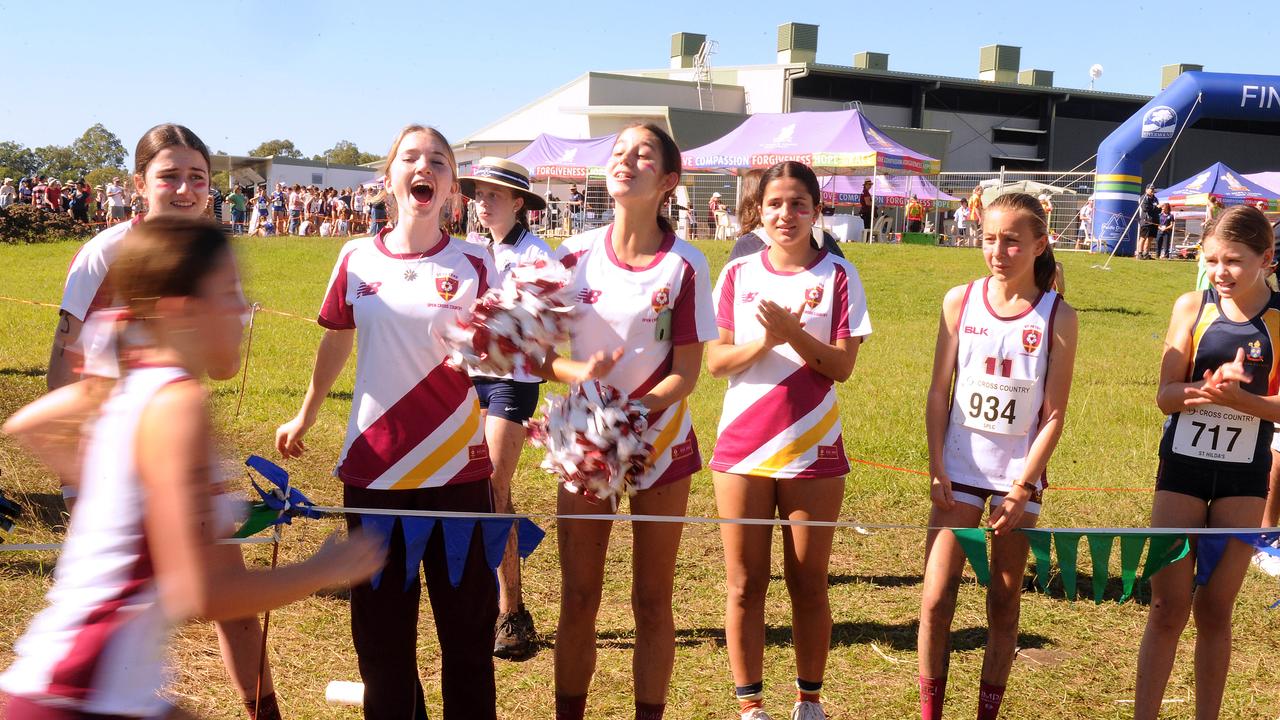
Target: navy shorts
1209	482
508	399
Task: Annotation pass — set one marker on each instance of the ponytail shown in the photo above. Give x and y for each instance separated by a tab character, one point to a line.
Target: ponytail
1046	268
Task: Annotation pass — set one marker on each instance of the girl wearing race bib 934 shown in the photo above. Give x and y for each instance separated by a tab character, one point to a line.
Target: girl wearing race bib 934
1218	382
996	407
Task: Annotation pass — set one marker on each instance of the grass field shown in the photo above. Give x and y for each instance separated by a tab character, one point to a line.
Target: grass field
1079	657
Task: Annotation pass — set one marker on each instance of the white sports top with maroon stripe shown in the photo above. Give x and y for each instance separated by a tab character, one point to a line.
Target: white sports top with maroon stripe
1001	366
780	416
83	292
623	306
99	645
415	419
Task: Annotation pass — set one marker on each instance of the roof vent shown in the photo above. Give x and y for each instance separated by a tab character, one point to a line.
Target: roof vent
999	63
797	43
1038	78
684	47
871	61
1169	73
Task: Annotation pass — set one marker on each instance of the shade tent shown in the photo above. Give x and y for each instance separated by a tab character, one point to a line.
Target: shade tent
1221	182
555	158
892	191
1268	180
1030	187
843	142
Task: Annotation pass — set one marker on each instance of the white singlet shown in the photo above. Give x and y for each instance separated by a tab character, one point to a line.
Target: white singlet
1001	366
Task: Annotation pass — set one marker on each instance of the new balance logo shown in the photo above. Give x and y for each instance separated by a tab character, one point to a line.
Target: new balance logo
749	296
588	297
367	289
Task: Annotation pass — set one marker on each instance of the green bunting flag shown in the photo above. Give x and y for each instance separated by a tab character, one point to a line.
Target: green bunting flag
1162	549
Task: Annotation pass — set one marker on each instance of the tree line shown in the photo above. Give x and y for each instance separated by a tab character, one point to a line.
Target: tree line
98	154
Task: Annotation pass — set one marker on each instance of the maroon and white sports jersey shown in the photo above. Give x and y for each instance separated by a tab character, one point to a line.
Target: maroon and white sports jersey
780	416
415	419
622	306
84	289
99	645
1001	367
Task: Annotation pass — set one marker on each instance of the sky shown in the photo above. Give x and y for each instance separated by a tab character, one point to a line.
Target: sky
239	73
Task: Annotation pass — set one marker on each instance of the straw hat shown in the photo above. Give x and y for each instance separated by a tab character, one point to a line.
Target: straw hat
503	173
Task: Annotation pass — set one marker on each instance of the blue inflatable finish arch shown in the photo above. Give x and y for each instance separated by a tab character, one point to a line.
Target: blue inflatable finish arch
1194	95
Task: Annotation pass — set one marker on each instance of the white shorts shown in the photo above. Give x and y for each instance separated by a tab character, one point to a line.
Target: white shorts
1275	439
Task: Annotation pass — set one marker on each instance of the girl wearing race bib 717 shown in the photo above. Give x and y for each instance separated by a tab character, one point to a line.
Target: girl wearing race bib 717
1218	382
996	406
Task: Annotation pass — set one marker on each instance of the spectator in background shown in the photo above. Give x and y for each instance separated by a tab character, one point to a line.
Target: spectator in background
1046	202
1086	224
377	203
1164	236
279	200
116	208
714	205
975	215
39	193
295	209
576	202
79	200
238	203
138	205
1149	216
915	215
24	192
961	219
8	193
215	202
54	195
865	201
357	211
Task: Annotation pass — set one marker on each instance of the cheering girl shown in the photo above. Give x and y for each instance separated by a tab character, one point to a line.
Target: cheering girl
791	318
653	354
1218	384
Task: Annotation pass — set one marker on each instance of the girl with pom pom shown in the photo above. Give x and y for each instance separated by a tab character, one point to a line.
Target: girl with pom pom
653	355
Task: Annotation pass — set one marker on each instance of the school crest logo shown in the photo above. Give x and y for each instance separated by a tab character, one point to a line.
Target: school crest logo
1254	352
661	299
446	286
1031	339
813	296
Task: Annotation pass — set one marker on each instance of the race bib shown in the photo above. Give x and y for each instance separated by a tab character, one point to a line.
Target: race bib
1213	432
996	404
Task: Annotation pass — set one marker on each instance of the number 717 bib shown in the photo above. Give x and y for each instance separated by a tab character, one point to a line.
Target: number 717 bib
1214	432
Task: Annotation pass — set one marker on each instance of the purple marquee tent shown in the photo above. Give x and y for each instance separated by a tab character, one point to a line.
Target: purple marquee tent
555	158
842	142
888	190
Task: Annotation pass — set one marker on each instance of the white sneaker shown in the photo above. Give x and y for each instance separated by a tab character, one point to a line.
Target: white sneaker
756	714
1267	563
806	710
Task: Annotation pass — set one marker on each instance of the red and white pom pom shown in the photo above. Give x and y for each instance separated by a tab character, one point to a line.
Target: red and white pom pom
594	438
521	319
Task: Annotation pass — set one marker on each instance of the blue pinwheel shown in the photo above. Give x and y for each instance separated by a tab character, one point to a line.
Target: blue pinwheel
279	505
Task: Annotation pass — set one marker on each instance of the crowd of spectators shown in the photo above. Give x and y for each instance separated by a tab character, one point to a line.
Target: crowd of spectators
300	210
105	204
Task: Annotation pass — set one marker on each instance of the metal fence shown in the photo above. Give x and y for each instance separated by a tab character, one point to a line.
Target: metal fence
1070	191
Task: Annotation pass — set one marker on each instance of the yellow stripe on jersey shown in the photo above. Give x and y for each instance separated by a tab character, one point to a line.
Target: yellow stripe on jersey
1271	318
1207	315
449	449
798	447
668	434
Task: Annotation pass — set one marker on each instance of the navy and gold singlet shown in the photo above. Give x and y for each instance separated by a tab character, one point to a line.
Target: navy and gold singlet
1217	434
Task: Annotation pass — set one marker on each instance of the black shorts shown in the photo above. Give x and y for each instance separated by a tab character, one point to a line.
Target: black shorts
1210	482
508	399
1147	231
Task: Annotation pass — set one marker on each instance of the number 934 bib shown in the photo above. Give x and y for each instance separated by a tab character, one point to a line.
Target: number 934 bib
996	404
1214	432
